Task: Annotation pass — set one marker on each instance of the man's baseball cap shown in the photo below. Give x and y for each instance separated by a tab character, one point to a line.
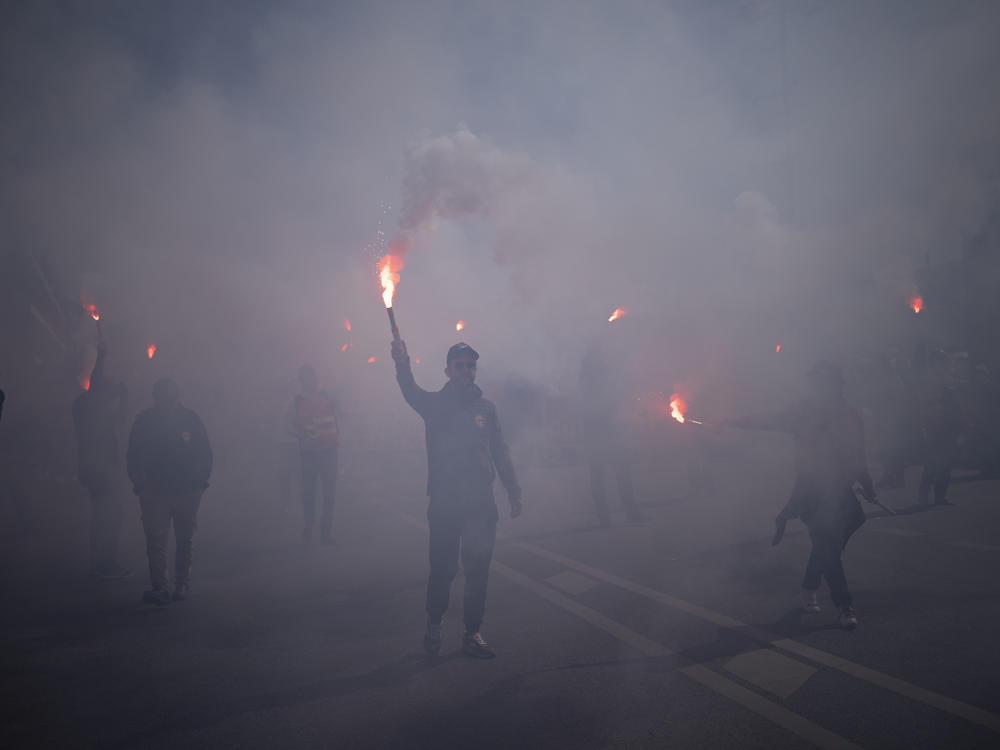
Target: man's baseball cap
461	349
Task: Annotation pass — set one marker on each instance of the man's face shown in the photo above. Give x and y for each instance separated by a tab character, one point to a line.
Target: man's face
461	371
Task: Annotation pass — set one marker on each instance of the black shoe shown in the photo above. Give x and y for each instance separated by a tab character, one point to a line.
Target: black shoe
432	639
180	592
158	596
473	645
848	620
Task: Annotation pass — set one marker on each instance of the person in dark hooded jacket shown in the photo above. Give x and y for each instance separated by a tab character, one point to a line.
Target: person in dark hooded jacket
829	460
169	462
465	452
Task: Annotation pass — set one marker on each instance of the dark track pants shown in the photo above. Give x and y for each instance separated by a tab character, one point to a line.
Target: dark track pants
158	510
474	538
825	562
319	467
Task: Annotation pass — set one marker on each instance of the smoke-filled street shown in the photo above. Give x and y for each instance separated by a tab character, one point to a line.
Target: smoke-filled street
474	374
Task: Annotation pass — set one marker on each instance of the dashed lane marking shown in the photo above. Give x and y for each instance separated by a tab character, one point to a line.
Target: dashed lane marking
750	700
572	582
953	706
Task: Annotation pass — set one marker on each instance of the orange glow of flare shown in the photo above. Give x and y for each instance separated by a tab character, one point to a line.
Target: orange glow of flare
85	382
677	407
777	348
460	325
371	359
151	351
418	360
618	313
388	273
344	347
347	324
917	304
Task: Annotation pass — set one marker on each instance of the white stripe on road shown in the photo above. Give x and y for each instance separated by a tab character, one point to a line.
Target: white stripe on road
913	692
760	705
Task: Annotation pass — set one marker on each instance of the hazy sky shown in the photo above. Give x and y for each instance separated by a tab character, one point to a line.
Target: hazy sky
733	173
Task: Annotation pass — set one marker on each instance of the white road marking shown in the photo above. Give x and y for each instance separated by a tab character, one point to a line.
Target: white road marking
572	582
955	707
770	670
750	700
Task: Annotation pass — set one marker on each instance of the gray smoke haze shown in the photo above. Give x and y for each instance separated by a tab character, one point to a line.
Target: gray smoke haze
735	176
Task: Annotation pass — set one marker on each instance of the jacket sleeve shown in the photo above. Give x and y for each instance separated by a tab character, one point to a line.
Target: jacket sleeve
135	455
203	450
501	459
419	399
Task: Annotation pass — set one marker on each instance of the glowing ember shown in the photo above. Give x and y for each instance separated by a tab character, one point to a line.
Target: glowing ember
917	304
388	273
347	324
677	407
777	348
371	359
460	325
618	313
151	351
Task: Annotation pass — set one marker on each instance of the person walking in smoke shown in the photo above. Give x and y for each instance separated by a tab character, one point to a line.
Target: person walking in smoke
312	421
97	413
465	452
829	460
169	461
603	432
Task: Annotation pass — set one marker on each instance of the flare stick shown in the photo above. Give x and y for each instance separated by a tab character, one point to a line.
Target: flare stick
392	324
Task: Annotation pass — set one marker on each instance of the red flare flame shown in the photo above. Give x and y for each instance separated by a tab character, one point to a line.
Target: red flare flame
347	324
85	382
388	273
618	313
151	351
777	348
371	359
677	407
460	325
344	347
917	304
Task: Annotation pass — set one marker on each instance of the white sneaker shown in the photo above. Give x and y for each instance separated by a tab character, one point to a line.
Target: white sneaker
810	604
848	619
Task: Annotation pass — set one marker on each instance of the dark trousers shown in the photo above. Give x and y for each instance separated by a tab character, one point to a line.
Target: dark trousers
158	510
938	463
105	520
475	538
825	562
623	477
319	467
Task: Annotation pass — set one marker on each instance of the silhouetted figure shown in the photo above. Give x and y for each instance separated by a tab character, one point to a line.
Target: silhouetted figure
940	430
97	412
312	421
465	453
829	459
169	462
604	434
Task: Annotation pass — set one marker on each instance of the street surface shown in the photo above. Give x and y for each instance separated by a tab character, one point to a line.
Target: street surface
681	631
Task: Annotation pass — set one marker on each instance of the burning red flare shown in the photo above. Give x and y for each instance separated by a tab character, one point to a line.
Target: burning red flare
344	347
151	351
85	382
677	407
347	324
618	313
388	273
371	359
777	348
917	304
460	325
92	309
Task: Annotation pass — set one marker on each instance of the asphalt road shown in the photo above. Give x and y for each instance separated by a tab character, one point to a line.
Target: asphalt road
680	631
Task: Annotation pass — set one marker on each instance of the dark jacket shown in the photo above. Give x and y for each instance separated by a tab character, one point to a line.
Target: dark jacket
168	452
465	447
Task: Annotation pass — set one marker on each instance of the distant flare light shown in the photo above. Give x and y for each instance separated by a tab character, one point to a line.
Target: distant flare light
347	324
777	348
371	359
151	351
344	347
917	304
677	407
618	313
460	325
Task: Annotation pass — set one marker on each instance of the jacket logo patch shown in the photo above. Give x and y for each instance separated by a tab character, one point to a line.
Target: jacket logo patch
186	437
480	421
